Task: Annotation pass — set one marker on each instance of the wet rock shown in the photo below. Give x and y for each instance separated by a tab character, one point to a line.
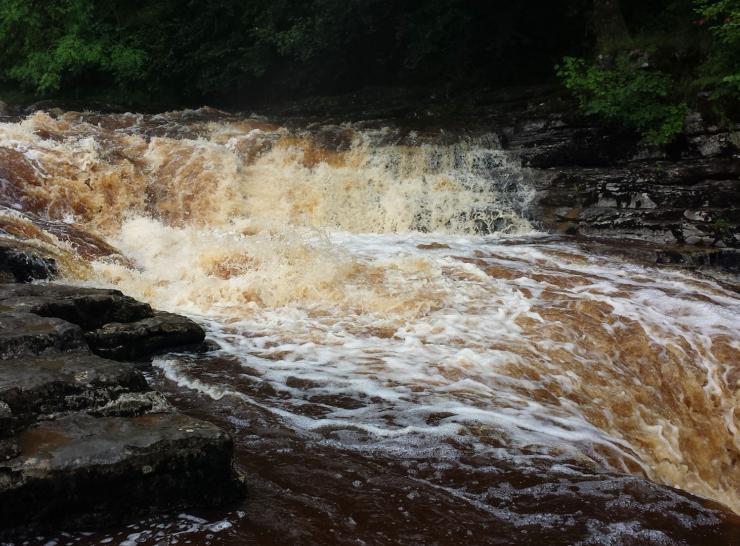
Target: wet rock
692	202
712	145
694	124
142	338
33	387
29	334
590	178
8	448
334	137
117	326
725	259
547	147
84	438
6	421
84	469
135	403
19	264
88	308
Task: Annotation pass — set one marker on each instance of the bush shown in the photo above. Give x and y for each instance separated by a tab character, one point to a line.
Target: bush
688	56
47	46
635	96
721	71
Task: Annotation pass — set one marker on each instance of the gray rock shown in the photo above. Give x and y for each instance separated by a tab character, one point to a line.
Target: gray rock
89	308
8	448
135	403
6	421
694	124
85	469
83	438
29	334
21	264
33	387
570	146
693	202
140	339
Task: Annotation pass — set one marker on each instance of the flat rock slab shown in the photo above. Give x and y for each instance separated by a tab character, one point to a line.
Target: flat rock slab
136	340
29	334
117	326
32	387
89	308
86	469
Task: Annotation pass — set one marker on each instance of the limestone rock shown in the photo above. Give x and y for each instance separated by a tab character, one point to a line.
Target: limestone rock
136	340
31	387
89	308
83	469
29	334
19	264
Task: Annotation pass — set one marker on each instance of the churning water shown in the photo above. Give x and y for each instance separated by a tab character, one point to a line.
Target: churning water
391	374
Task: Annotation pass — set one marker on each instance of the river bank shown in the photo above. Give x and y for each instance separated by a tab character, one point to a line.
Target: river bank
84	439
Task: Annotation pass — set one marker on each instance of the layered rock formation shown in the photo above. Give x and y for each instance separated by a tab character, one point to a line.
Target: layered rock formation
598	182
84	438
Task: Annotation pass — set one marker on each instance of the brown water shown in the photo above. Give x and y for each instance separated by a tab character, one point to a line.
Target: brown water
389	375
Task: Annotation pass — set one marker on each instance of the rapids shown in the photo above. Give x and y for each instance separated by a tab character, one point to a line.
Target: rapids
357	304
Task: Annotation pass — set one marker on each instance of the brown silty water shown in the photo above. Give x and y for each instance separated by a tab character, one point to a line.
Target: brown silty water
390	375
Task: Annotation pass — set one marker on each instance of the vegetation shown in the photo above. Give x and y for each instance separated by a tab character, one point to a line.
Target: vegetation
639	64
627	93
234	50
647	79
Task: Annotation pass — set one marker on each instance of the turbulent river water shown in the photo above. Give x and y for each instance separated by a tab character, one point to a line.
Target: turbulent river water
391	375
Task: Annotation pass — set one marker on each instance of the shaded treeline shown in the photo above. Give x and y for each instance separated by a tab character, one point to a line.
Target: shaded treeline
232	50
235	52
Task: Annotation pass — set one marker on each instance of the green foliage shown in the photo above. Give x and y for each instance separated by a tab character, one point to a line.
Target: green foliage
48	45
637	97
187	51
190	51
671	61
721	71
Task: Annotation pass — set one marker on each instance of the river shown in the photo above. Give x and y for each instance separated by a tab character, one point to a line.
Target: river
400	355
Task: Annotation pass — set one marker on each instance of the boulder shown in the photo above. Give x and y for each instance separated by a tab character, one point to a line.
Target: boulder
142	338
29	334
35	387
83	469
89	308
20	264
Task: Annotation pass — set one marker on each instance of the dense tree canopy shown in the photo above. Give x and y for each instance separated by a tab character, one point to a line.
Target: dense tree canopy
619	56
197	48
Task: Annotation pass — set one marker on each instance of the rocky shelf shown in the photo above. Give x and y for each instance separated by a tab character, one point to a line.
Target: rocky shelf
83	437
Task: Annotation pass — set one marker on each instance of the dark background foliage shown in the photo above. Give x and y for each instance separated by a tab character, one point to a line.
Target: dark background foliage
234	50
614	56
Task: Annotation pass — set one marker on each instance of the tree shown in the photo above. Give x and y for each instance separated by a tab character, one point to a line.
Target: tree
609	25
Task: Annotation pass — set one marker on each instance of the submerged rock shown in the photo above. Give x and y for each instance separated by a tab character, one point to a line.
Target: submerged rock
94	469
